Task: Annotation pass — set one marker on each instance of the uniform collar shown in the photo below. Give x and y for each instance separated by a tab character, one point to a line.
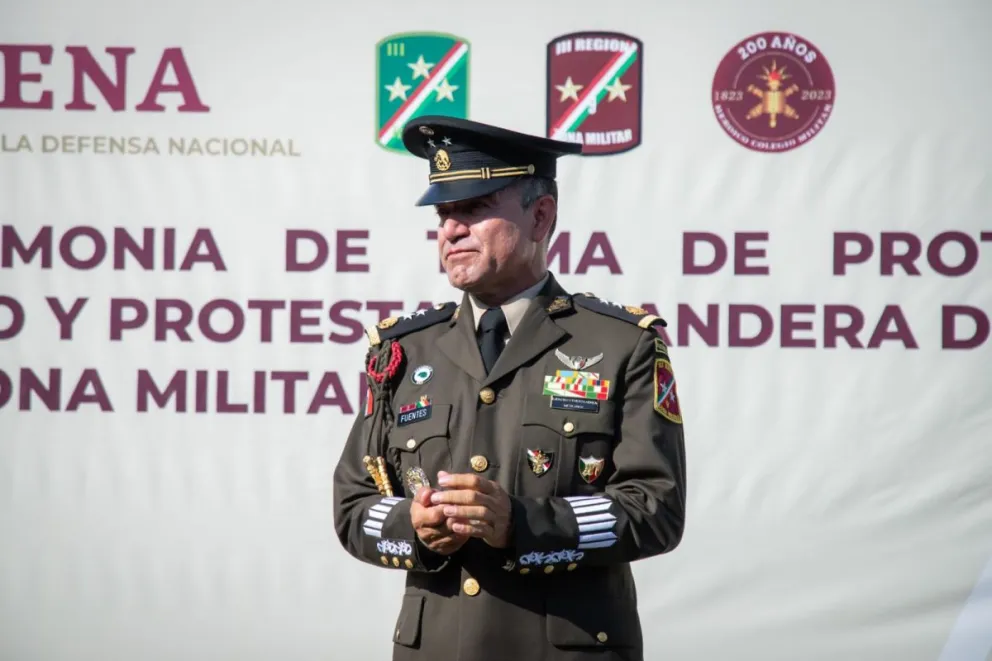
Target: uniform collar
514	308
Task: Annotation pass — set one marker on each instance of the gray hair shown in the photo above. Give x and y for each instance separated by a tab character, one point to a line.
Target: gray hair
532	188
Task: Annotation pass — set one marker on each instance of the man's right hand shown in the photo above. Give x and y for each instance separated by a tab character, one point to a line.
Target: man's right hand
431	525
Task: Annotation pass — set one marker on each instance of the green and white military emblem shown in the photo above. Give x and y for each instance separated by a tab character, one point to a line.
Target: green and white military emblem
422	374
418	73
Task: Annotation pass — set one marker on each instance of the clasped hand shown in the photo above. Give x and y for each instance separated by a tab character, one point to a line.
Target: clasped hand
468	506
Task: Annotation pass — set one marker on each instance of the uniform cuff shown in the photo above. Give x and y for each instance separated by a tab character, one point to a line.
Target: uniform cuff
389	535
558	533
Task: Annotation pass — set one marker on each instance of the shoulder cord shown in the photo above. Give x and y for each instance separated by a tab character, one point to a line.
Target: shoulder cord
381	366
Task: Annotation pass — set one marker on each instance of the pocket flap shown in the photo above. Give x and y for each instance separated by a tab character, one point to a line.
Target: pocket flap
408	622
409	437
586	622
538	411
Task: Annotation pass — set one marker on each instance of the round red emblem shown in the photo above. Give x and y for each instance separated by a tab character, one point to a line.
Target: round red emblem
773	92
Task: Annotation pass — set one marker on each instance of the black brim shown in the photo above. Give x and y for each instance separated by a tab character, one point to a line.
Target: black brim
456	191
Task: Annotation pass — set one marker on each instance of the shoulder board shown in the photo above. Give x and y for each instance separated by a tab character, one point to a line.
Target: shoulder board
395	327
629	313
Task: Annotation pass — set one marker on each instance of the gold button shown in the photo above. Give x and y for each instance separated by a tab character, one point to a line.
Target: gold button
409	563
525	570
602	637
487	396
479	463
385	560
396	562
471	587
549	569
568	427
572	566
412	443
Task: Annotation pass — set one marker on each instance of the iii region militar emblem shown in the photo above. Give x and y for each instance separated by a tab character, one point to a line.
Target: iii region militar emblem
594	91
419	73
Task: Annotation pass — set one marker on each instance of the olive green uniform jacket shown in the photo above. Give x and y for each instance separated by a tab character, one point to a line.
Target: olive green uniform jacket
596	481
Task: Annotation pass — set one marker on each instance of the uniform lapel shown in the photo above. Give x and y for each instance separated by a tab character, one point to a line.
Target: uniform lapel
534	334
459	344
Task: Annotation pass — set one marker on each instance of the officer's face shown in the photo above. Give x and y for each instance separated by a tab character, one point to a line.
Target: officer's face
487	243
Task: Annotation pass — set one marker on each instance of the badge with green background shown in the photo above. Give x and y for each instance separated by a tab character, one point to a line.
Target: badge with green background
419	73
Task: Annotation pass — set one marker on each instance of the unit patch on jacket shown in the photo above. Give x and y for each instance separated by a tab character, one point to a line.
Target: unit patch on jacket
666	400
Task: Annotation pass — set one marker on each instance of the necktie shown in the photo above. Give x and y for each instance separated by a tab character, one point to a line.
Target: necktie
492	326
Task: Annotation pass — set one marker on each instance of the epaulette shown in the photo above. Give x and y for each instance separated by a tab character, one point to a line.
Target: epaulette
394	327
635	315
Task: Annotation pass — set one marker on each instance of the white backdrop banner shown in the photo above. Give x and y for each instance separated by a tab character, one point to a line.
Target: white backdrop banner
204	202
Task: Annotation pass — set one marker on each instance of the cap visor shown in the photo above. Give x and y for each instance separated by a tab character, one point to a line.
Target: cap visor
457	191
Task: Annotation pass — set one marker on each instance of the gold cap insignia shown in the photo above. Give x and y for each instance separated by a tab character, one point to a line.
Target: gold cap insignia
441	160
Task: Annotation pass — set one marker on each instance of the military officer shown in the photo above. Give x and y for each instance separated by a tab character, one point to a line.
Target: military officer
521	448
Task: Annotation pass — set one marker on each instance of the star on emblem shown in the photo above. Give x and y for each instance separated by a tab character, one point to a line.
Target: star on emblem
617	90
446	140
430	143
445	90
397	90
569	90
420	68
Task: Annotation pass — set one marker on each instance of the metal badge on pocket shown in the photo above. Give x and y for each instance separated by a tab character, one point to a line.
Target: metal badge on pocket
540	461
591	468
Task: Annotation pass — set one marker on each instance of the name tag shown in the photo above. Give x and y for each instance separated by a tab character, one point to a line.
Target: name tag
415	412
574	404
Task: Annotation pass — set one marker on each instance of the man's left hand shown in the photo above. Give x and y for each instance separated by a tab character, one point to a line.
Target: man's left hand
476	507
